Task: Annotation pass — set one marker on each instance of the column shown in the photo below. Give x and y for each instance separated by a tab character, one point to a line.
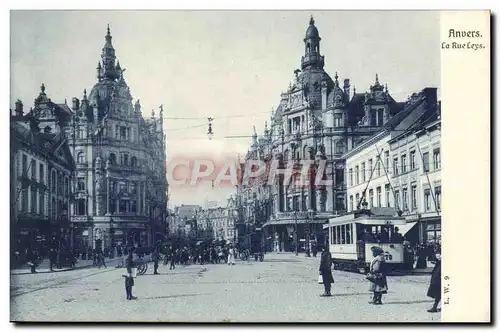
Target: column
144	198
108	196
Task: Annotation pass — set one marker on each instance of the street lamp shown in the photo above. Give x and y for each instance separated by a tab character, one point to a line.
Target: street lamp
296	235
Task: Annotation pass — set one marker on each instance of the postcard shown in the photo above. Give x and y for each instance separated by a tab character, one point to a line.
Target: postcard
250	166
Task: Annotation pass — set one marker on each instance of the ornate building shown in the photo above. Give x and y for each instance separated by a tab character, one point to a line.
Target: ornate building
120	186
317	119
41	175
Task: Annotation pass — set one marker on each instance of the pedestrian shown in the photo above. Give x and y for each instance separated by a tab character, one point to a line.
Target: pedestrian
325	270
230	256
156	257
32	260
173	257
52	258
434	290
129	283
377	275
129	278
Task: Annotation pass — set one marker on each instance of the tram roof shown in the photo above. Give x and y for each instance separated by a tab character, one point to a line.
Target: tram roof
366	218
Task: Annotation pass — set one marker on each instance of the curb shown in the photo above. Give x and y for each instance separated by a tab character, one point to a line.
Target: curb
60	270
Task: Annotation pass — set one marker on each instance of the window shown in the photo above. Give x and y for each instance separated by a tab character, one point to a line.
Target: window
33	169
34	204
370	166
112	158
117	131
380	117
81	207
413	162
357	201
41	203
371	198
405	199
53	210
133	161
66	187
437	158
373	118
414	197
348	234
337	120
339	147
395	166
80	158
81	184
427	199
342	234
133	188
387	195
112	206
124	159
123	133
363	172
24	200
403	163
396	199
350	177
437	194
387	159
351	203
379	172
25	165
357	174
42	173
425	158
53	182
133	206
379	196
123	206
80	132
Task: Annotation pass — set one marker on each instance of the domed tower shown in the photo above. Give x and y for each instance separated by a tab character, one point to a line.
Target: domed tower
313	77
108	70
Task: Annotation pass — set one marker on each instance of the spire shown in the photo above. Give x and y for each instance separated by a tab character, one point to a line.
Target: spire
42	88
108	58
376	80
311	20
84	94
153	113
336	79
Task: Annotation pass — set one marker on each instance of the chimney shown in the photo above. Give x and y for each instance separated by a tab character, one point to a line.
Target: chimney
19	108
347	88
76	104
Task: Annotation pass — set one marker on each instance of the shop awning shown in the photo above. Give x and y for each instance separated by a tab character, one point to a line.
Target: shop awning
403	229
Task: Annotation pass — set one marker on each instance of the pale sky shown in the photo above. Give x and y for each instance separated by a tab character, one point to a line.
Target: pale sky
217	64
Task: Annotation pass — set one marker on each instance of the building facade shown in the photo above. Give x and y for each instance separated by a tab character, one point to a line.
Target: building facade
318	119
41	169
392	168
120	186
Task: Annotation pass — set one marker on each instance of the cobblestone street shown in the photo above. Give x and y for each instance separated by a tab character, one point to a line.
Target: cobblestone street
283	288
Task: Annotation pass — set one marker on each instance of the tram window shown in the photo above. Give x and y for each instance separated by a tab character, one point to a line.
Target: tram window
348	234
342	233
337	234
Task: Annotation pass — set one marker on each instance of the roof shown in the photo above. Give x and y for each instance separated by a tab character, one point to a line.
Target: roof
312	31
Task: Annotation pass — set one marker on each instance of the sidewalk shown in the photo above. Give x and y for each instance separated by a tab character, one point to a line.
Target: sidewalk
44	266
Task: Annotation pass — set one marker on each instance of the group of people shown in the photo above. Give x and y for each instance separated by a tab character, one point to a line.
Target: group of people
377	276
198	255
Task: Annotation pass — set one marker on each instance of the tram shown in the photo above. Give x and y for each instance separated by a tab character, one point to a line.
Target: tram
351	237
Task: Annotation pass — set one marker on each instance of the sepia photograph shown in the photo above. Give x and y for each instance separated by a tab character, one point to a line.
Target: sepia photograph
229	166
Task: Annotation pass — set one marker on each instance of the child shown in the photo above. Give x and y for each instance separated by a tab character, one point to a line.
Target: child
129	283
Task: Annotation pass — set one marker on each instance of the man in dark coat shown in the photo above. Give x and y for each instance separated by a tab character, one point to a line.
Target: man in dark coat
325	269
156	257
434	290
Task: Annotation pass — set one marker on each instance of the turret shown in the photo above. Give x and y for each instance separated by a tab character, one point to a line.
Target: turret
19	108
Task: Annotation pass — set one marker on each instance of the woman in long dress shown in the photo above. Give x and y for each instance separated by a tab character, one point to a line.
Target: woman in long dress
325	269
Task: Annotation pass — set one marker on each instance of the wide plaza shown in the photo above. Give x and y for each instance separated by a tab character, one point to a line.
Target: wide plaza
282	288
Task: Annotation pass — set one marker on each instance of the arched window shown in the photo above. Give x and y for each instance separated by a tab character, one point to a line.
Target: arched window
53	208
112	158
80	207
339	147
80	158
133	161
